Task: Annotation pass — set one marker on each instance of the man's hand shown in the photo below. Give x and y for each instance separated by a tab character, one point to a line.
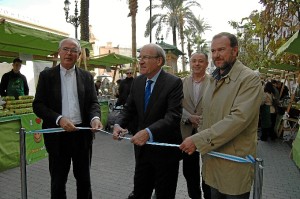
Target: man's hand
195	120
118	132
67	125
188	146
96	125
140	138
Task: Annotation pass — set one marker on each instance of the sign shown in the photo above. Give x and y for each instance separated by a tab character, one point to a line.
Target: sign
35	148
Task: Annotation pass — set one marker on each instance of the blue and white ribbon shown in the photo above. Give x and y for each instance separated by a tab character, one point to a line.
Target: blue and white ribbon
247	159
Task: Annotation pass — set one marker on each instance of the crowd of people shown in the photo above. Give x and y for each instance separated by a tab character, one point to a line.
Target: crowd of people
200	113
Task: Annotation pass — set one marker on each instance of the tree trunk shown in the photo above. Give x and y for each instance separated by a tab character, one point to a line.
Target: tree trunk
133	5
182	42
174	36
189	49
84	20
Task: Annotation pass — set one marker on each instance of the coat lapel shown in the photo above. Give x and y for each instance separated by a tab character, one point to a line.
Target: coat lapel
143	85
190	89
80	88
56	83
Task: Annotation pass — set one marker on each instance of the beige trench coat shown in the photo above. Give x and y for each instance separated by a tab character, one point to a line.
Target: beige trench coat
230	121
189	105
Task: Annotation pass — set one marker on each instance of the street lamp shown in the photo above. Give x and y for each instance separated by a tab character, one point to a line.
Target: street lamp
150	24
72	19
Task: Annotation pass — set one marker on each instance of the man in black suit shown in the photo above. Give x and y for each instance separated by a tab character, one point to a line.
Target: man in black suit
66	97
159	121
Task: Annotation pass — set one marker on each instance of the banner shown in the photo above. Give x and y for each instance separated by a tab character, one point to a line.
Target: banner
296	150
35	148
9	144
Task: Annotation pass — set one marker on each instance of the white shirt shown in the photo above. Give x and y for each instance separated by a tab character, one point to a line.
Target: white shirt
69	94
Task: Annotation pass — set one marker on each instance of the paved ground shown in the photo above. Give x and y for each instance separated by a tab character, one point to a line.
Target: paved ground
112	173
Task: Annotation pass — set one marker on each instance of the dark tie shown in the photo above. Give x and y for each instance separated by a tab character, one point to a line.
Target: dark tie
147	93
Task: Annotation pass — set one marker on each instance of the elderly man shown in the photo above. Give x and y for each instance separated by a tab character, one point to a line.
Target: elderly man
230	104
155	98
66	97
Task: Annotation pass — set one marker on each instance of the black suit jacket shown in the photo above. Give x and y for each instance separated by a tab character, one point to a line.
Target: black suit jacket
48	100
162	116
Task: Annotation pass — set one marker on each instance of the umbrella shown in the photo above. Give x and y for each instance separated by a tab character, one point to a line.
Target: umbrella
292	45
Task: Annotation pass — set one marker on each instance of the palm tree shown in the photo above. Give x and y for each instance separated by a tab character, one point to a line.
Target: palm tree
133	5
84	28
192	33
178	13
84	20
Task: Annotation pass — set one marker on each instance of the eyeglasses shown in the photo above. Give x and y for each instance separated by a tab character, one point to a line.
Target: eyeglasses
146	57
70	50
128	73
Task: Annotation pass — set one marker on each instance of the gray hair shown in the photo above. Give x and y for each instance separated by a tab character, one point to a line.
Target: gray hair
75	41
159	51
200	53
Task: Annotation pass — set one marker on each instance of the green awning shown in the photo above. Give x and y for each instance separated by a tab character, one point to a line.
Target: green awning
20	39
292	45
167	48
279	68
107	60
285	67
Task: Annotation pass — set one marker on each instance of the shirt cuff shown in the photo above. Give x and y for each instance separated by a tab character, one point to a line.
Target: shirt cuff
57	120
150	135
185	115
96	117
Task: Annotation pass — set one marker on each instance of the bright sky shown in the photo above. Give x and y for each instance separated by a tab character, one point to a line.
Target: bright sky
110	22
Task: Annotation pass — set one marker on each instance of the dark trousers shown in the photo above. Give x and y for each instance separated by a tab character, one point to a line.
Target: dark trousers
73	147
156	174
215	194
191	172
269	132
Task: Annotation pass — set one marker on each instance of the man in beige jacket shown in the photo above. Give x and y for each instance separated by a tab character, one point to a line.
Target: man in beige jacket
193	88
230	104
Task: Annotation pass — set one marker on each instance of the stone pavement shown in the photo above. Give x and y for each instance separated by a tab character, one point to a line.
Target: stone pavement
113	166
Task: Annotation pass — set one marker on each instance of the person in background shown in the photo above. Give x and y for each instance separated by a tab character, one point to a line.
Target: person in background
97	86
66	97
277	92
155	98
14	83
230	103
285	91
116	88
268	113
105	86
124	88
193	87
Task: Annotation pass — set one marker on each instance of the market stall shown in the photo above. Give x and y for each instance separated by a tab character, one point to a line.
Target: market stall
10	146
292	46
